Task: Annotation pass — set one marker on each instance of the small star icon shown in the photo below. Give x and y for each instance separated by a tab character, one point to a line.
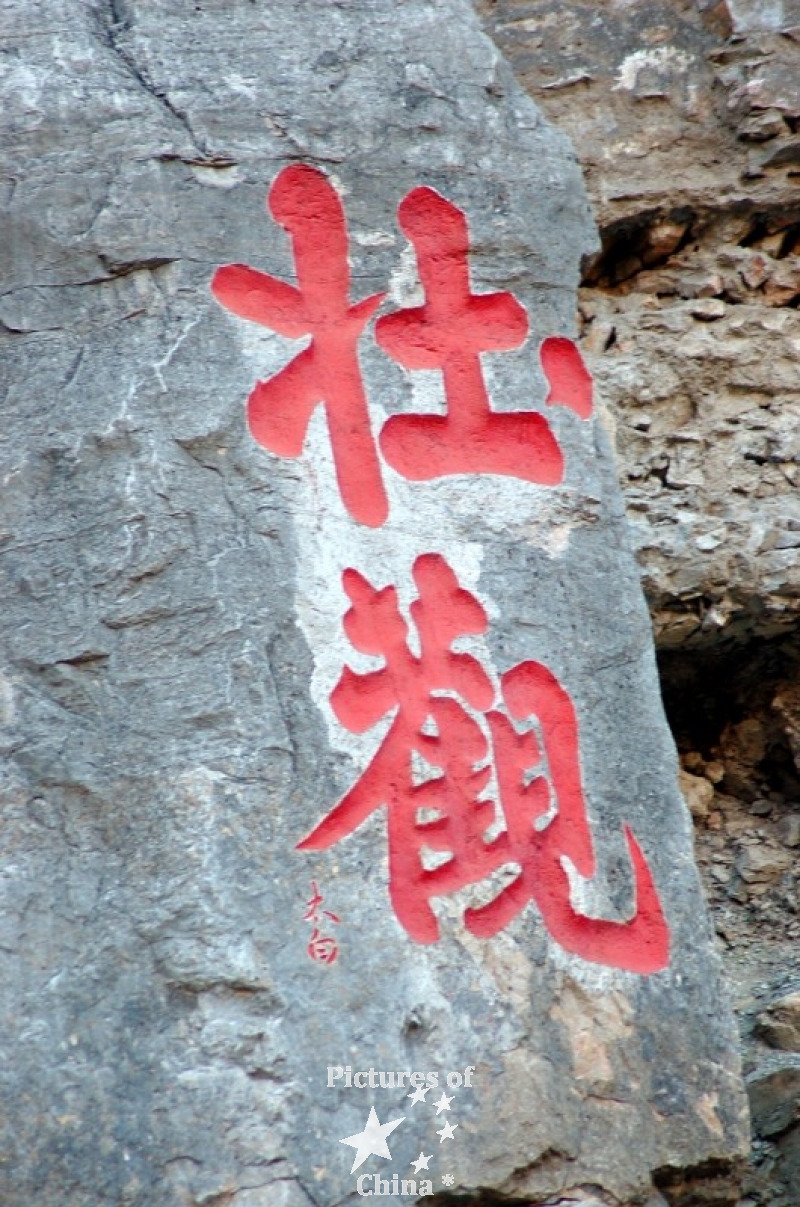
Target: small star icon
444	1103
419	1094
446	1133
372	1139
447	1179
421	1162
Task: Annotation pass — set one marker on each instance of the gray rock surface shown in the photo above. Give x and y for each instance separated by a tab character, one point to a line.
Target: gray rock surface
167	592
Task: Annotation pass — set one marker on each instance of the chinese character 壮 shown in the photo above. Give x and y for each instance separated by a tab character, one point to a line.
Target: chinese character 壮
449	333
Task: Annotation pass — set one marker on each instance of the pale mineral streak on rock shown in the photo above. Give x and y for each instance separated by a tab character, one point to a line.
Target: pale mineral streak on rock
594	1030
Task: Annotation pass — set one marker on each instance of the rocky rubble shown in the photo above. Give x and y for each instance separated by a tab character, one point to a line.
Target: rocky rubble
735	719
747	849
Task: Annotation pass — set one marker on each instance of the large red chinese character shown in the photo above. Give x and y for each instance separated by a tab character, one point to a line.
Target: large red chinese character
375	626
449	332
327	371
537	772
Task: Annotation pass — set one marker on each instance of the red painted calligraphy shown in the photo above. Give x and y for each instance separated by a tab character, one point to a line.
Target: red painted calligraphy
327	371
322	948
536	768
569	380
640	944
449	333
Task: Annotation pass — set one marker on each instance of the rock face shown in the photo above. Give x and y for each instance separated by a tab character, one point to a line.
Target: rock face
200	1010
685	119
684	116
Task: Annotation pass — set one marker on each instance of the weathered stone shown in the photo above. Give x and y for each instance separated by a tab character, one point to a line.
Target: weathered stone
760	127
174	633
786	704
788	830
774	1093
662	239
708	310
789	1162
762	863
755	16
743	747
698	794
779	1024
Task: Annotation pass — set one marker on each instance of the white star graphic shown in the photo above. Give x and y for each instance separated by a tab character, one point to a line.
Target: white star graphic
446	1133
444	1103
421	1161
372	1139
419	1094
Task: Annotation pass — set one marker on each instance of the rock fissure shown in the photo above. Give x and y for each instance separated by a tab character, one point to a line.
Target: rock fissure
113	25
